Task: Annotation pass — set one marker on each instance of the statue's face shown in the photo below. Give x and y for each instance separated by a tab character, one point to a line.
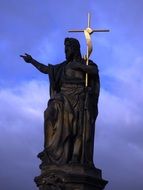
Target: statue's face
69	52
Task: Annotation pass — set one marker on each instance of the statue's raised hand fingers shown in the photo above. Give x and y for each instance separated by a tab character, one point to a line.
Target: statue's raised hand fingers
27	55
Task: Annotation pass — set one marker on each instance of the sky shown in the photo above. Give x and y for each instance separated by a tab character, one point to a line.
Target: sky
39	28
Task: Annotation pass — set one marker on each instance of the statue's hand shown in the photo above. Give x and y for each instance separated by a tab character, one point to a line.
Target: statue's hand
27	58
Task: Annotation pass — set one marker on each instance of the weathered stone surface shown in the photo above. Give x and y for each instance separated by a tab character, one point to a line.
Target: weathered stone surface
70	177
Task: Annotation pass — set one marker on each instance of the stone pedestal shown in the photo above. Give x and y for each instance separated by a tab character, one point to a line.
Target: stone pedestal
70	177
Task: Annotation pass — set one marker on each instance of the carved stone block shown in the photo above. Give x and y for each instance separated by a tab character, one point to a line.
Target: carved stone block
70	177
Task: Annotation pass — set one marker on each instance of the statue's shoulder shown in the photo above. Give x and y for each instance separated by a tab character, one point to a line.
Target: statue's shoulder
57	65
92	63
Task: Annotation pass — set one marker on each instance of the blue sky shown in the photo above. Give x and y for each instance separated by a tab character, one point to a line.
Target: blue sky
39	28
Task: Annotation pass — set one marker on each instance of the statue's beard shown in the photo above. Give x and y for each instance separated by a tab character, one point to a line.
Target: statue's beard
69	57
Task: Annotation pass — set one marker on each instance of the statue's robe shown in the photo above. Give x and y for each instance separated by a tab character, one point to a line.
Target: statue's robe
70	117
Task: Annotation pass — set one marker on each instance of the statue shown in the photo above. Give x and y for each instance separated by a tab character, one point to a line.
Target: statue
69	120
72	109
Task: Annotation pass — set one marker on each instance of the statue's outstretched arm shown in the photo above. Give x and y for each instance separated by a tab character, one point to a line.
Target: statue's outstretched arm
41	67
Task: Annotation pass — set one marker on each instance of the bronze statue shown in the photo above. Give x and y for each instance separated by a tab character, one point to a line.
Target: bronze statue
69	120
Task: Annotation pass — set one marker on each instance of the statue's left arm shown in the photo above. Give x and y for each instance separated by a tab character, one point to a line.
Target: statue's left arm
91	69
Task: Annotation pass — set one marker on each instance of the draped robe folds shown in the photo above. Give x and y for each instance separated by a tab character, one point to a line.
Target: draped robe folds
70	117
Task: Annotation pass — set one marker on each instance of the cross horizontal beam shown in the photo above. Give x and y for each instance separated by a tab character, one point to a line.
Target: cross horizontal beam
96	30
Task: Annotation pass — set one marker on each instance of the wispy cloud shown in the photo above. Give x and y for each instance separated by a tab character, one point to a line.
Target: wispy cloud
118	135
21	133
118	141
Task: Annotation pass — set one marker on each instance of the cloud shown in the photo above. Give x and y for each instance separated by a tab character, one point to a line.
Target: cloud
118	143
21	133
118	140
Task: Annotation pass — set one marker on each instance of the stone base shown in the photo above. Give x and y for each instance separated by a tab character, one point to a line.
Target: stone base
70	177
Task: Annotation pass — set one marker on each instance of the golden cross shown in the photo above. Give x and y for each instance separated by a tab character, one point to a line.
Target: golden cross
87	32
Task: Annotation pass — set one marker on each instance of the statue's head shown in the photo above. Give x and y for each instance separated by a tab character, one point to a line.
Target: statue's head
72	49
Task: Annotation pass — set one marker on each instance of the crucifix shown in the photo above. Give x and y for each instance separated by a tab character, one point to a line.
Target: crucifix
87	32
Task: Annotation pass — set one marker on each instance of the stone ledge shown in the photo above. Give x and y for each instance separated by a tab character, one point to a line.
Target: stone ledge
70	177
